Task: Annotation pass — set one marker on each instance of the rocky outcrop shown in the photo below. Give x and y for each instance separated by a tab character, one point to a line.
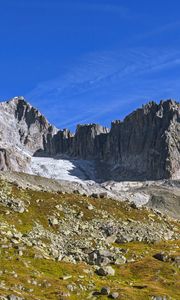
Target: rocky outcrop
4	160
146	145
23	131
85	143
23	126
54	144
12	159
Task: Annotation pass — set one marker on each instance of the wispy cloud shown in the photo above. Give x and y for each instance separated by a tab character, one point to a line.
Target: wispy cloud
122	11
163	29
79	5
104	84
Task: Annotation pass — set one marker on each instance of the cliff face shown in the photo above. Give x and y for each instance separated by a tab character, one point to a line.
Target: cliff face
12	159
146	145
84	142
24	126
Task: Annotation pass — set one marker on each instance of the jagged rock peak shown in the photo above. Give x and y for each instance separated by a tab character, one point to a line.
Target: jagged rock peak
25	112
21	107
165	104
23	126
163	108
145	145
93	127
18	101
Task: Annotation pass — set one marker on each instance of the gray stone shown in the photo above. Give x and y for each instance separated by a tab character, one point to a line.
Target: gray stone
13	297
105	290
90	207
120	260
53	221
114	295
106	271
162	257
159	298
100	258
66	277
176	260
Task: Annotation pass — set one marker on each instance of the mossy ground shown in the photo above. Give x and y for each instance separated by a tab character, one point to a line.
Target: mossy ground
141	279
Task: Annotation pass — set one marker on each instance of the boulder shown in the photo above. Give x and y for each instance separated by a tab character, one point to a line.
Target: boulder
106	271
105	290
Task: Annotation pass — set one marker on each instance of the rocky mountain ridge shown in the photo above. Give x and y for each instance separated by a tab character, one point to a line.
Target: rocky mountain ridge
146	145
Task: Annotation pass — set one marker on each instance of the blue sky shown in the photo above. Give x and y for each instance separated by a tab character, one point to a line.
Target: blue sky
89	61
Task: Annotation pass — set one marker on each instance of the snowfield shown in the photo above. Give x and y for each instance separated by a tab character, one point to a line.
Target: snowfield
63	169
77	174
82	176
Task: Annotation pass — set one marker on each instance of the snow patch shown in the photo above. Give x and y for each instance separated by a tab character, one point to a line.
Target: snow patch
63	169
82	175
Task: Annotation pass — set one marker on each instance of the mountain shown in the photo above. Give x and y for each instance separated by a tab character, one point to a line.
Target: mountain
89	235
144	146
22	133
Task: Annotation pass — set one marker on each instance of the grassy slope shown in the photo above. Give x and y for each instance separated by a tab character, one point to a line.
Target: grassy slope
136	280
